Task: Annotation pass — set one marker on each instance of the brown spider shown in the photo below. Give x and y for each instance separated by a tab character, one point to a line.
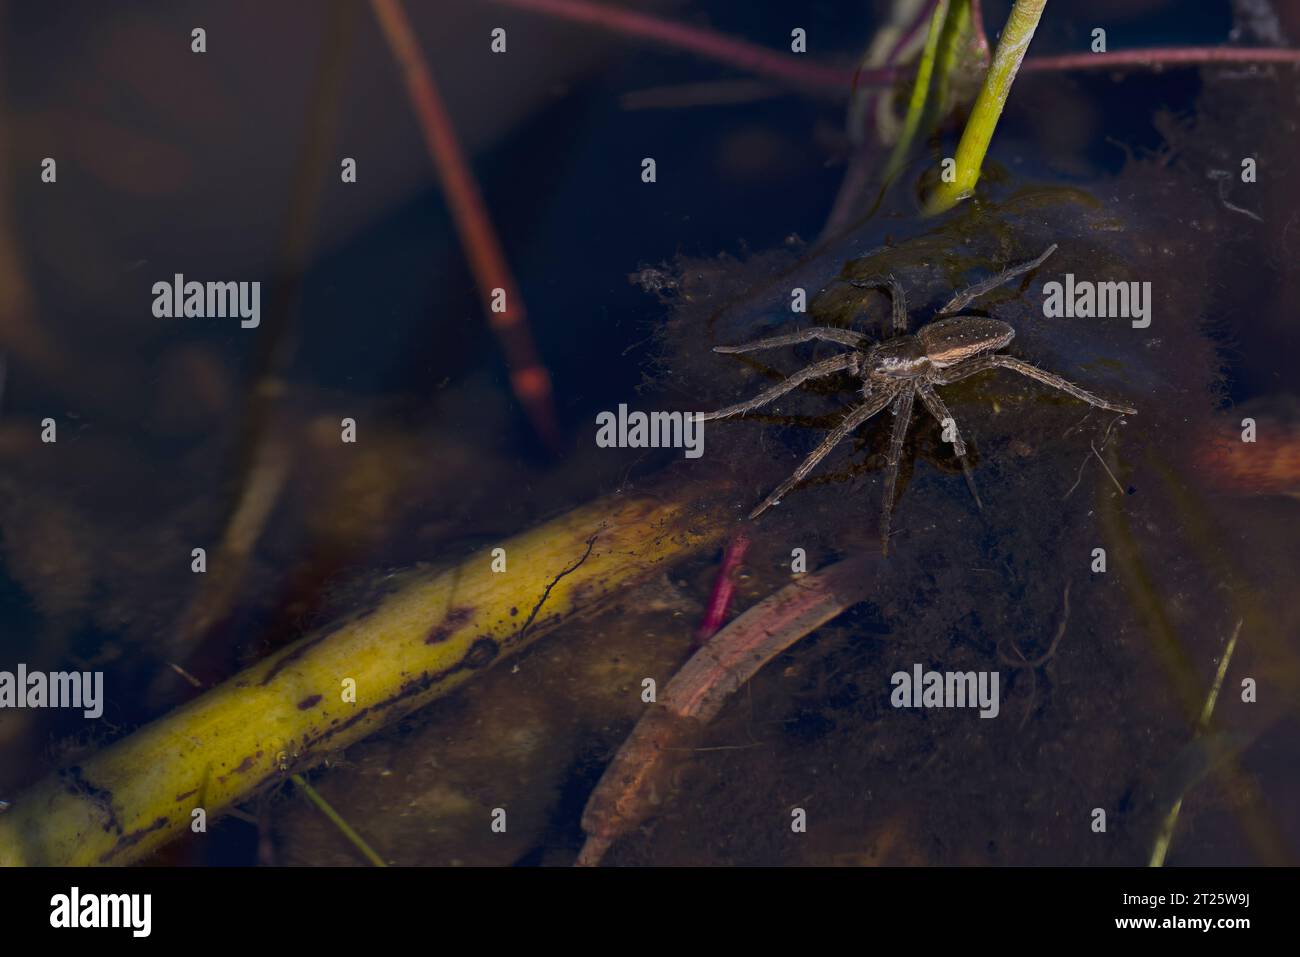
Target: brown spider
902	368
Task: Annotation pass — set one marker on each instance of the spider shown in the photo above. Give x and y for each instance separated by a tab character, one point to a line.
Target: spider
900	369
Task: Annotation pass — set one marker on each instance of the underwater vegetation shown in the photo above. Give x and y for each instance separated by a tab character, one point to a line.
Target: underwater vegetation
436	618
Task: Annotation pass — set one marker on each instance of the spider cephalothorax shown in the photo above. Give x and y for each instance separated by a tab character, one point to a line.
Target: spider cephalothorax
903	368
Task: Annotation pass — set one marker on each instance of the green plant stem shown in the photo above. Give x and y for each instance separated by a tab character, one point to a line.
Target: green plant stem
920	91
975	139
1166	835
324	806
957	31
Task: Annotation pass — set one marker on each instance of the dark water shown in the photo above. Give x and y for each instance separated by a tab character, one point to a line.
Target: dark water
166	166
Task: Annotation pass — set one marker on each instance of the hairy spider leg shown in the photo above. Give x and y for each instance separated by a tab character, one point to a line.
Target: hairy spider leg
930	399
847	360
902	415
844	337
973	292
897	298
875	402
998	361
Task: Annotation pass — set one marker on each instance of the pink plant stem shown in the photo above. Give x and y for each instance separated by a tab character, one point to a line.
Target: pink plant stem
635	781
702	686
977	27
738	53
1156	57
529	379
724	587
755	59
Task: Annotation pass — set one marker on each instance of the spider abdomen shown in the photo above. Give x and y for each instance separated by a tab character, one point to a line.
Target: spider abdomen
950	341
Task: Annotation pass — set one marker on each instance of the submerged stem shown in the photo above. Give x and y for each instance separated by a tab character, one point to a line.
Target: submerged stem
1166	835
337	819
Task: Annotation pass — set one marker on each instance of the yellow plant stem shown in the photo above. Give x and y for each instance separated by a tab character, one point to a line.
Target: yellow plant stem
975	138
330	689
1166	835
337	820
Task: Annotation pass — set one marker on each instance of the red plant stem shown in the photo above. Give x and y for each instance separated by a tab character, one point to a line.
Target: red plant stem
529	379
738	53
724	587
756	59
1156	57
